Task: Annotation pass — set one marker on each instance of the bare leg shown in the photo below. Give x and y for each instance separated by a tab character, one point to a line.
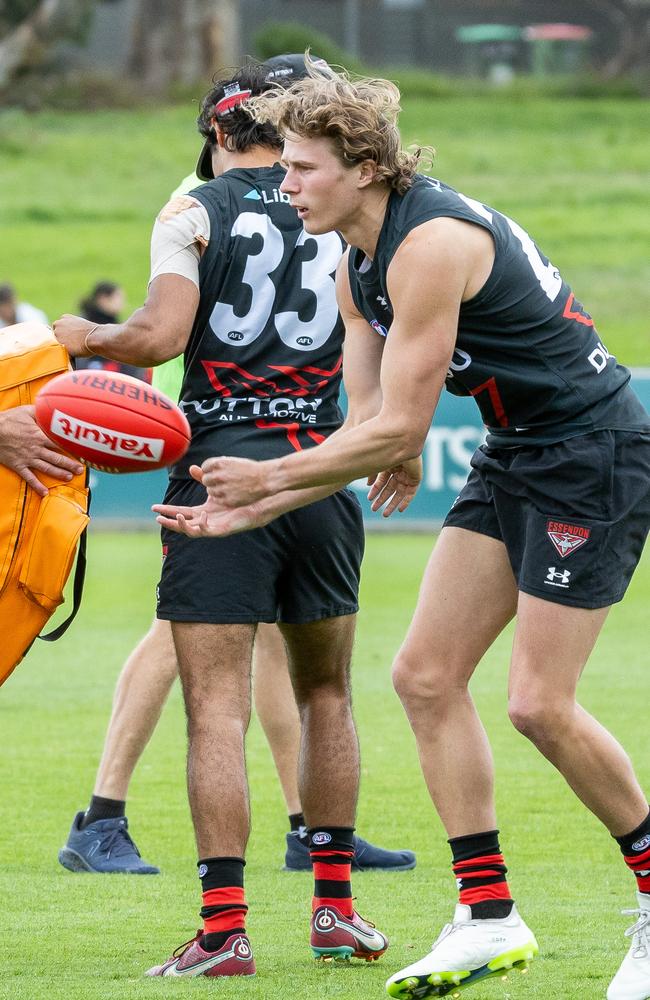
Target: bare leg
468	595
328	773
552	644
215	669
140	694
276	709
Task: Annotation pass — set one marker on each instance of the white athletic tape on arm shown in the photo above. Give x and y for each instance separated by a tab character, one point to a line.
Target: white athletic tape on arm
179	231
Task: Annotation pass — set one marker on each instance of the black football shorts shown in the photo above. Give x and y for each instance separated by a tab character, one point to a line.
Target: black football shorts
573	515
302	567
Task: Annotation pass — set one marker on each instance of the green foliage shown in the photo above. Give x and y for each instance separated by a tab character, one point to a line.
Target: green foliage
71	21
419	83
277	37
87	90
15	11
91	937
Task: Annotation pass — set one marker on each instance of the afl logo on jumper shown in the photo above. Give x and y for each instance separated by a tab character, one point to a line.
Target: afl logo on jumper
319	839
567	537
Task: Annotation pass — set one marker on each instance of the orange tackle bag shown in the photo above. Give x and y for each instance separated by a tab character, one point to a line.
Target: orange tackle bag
39	537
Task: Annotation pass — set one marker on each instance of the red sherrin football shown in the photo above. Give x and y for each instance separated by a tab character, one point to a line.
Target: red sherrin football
113	422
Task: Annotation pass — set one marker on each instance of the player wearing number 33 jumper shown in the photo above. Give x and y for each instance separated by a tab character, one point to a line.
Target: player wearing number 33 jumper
438	289
249	297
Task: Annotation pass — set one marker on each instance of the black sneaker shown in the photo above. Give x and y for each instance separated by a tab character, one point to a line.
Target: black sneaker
366	856
104	847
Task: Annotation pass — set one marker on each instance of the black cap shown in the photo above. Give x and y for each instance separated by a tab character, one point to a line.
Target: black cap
284	69
287	68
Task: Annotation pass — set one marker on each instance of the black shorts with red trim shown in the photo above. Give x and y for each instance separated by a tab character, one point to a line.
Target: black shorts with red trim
573	515
303	567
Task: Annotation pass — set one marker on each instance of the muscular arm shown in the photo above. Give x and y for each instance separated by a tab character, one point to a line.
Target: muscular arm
362	354
156	332
438	265
161	328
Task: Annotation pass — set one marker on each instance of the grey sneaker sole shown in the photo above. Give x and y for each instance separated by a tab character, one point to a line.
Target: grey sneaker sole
73	861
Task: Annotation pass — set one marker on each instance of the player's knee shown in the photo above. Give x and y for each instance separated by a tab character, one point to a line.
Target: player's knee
539	719
415	680
321	686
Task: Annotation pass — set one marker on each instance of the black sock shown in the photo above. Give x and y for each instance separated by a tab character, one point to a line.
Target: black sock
481	875
635	848
331	849
212	942
298	826
296	821
219	874
101	808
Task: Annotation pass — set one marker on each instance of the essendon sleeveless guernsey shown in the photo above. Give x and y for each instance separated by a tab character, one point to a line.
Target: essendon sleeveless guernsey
263	362
526	349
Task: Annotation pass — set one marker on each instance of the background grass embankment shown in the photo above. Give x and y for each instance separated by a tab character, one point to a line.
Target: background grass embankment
80	192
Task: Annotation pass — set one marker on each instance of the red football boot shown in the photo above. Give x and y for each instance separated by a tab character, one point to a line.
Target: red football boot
334	935
234	958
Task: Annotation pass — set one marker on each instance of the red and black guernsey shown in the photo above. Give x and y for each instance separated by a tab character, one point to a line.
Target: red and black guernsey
526	349
263	362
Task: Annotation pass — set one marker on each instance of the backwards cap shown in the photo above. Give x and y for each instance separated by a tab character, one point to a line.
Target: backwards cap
284	69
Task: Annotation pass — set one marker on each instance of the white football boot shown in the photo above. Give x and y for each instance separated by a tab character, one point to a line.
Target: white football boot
632	981
466	952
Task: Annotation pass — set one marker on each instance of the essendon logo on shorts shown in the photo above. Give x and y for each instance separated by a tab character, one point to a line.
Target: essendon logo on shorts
567	537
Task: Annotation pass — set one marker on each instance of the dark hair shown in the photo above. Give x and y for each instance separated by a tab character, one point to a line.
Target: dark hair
7	293
100	289
241	130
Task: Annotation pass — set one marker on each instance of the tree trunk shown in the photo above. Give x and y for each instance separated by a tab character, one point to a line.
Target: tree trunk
182	42
16	48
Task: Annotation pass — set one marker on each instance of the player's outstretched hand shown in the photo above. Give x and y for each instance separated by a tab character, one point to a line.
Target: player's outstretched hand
209	519
27	450
234	482
396	487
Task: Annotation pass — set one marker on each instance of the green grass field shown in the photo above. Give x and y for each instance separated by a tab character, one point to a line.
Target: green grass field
91	937
80	192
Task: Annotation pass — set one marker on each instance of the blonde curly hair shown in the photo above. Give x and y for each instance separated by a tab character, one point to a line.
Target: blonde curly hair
358	115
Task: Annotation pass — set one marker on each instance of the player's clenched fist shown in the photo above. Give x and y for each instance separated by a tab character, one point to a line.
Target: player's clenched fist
235	481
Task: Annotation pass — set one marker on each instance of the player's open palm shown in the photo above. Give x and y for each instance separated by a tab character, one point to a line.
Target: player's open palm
210	519
395	487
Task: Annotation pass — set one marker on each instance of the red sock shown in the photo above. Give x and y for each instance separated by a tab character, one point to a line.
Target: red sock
332	851
224	910
224	904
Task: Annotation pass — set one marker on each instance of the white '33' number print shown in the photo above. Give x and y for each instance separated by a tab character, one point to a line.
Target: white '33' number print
315	276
